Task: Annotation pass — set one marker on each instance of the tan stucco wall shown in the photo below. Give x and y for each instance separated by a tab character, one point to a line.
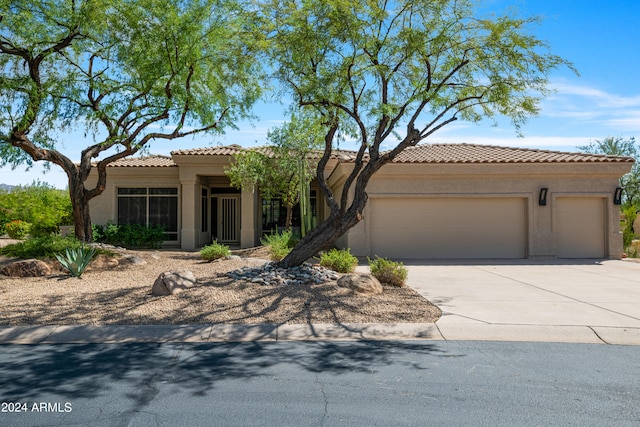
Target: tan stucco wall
423	180
104	207
500	180
193	174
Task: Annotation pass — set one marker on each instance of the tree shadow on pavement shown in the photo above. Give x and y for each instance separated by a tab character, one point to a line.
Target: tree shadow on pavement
75	371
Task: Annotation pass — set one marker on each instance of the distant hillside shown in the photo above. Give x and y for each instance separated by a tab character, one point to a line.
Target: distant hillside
7	187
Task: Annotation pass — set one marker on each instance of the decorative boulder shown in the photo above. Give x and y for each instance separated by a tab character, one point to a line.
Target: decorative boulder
103	261
173	282
361	283
133	259
27	268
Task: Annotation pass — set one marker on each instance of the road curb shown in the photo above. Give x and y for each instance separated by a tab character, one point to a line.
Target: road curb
89	334
93	334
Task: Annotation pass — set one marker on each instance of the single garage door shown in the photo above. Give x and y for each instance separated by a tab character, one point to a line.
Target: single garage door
580	227
419	227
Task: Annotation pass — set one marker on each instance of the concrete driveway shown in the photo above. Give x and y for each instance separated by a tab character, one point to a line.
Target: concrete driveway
592	301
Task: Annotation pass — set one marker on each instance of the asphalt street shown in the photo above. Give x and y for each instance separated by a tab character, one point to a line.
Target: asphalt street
356	383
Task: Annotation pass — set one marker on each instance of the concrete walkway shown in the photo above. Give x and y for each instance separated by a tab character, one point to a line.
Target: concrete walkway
551	301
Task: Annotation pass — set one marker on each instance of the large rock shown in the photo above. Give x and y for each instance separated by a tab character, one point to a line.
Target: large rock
133	259
27	268
173	282
361	283
102	261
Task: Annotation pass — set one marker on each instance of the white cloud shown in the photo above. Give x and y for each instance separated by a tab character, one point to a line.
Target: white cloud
625	122
602	98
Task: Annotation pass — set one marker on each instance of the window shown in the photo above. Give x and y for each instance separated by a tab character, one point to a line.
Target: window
274	214
150	206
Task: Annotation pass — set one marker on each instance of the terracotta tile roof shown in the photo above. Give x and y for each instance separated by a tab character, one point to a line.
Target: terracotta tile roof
230	150
470	153
427	153
144	162
226	150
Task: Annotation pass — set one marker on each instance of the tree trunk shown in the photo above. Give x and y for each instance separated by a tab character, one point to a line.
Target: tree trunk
289	219
320	238
340	220
80	207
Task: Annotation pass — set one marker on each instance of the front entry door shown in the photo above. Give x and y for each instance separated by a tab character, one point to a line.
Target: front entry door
225	218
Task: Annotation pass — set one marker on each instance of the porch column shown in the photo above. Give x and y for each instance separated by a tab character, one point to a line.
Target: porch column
189	202
248	219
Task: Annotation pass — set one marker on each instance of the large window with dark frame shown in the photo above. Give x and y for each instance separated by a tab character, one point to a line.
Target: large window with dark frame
150	206
274	214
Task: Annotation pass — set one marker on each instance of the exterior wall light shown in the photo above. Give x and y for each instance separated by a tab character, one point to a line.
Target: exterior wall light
542	199
617	196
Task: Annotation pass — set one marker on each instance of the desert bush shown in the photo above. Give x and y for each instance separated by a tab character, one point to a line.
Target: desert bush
633	250
45	207
280	244
129	235
387	271
40	247
76	260
628	234
339	260
17	229
45	247
214	251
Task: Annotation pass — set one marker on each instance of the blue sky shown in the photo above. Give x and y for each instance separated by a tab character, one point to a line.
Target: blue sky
600	38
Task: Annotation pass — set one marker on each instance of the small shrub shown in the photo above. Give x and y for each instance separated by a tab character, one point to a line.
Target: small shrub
17	229
279	244
628	234
339	260
387	271
40	247
76	260
214	251
633	249
129	235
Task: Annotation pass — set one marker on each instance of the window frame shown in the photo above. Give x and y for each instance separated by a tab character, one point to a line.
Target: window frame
152	192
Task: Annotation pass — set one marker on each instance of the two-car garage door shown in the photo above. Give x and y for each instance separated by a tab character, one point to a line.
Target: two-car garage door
434	227
481	227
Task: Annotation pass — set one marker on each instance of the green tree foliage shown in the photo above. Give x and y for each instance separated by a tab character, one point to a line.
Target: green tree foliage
391	74
39	204
126	72
285	167
618	146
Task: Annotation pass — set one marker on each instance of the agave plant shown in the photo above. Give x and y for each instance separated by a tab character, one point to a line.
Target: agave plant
76	261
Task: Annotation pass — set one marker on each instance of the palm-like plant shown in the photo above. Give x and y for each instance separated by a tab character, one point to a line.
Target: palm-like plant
76	261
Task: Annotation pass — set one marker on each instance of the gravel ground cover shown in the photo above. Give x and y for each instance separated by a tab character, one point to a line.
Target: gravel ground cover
122	295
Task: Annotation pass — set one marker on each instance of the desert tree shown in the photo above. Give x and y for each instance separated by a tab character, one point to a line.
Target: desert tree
283	168
619	146
124	73
389	74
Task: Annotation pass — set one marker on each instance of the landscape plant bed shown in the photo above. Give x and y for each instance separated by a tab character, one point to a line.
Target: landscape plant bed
122	295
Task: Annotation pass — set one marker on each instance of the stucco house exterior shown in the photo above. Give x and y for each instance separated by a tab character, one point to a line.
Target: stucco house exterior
441	201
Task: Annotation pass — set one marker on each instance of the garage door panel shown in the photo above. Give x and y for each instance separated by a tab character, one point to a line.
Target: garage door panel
580	227
448	227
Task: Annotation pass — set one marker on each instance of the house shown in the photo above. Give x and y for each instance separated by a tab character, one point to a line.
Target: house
433	201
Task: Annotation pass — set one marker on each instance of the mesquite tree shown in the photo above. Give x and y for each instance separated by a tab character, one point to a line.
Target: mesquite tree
284	168
395	72
125	72
619	146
